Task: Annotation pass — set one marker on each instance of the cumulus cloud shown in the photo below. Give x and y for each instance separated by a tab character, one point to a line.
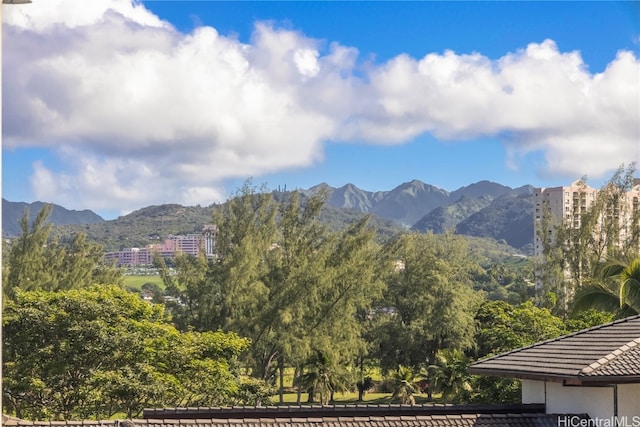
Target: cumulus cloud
142	113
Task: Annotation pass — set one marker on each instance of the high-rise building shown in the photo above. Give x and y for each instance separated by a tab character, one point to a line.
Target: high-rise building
567	205
564	204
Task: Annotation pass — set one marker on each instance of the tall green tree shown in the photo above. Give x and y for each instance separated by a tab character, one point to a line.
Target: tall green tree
504	327
27	268
352	267
430	298
36	262
227	292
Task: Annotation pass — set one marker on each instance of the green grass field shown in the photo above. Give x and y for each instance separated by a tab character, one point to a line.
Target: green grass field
136	282
349	398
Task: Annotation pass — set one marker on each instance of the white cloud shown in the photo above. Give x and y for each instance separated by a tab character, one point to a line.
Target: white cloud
141	113
46	15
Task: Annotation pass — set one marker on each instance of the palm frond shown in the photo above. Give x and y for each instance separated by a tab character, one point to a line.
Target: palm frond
598	296
630	285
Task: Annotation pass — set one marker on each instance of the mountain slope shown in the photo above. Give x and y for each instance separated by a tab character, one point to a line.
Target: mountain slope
12	213
143	226
409	202
447	217
508	218
480	189
351	197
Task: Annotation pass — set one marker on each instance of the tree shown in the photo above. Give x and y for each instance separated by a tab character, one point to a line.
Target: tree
27	257
550	265
35	262
324	377
227	292
429	298
351	283
404	385
95	351
450	375
615	289
503	327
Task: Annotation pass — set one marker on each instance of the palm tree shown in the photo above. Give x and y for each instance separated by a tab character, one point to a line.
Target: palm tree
450	374
616	289
325	378
404	386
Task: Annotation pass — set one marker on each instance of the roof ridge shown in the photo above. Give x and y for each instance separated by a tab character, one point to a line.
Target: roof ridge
611	356
571	334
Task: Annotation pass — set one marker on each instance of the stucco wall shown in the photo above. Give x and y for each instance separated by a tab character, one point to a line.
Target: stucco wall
598	402
629	401
533	391
595	401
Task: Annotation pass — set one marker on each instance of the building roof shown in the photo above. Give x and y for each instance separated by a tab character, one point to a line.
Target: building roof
471	420
605	354
329	416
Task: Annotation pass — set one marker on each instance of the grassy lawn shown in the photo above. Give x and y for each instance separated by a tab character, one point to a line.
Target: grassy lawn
350	398
136	282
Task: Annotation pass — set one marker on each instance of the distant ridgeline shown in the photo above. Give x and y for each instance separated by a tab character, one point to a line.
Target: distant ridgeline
12	213
483	209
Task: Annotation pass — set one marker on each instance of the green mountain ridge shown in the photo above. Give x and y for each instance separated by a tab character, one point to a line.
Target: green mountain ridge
484	209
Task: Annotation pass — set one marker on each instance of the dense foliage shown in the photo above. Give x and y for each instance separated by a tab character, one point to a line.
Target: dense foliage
93	352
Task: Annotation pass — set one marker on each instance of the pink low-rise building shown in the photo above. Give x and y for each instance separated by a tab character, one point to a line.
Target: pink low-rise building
190	244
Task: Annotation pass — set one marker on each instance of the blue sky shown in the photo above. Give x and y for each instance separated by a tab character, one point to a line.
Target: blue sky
117	105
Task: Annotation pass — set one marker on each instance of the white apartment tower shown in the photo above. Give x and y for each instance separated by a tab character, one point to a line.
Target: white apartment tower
565	204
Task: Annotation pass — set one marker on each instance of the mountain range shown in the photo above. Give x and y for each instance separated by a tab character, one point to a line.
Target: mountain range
12	213
482	209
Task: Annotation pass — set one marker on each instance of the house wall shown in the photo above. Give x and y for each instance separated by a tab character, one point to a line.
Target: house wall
629	401
595	401
533	391
598	402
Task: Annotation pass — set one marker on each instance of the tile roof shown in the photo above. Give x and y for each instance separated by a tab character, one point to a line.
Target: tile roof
451	420
318	411
605	354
